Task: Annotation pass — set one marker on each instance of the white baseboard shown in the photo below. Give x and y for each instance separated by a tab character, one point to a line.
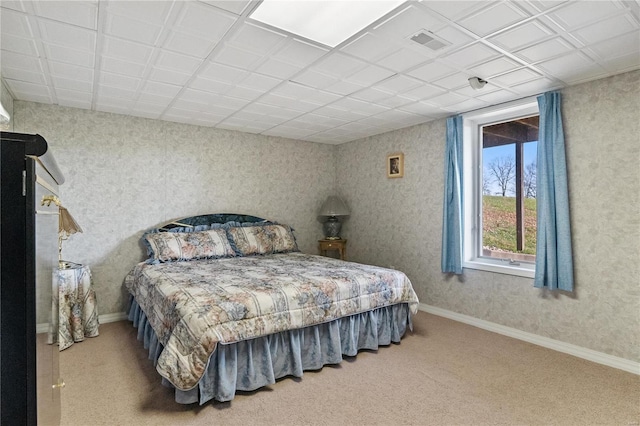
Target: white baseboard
102	319
557	345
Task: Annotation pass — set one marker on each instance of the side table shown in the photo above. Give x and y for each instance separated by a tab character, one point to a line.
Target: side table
339	245
75	302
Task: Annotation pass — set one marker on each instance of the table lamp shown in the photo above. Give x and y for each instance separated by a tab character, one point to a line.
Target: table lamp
67	226
332	209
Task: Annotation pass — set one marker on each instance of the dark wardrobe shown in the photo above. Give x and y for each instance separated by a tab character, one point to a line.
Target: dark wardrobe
29	383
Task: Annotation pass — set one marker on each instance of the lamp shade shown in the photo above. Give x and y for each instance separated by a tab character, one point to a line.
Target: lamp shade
67	225
333	207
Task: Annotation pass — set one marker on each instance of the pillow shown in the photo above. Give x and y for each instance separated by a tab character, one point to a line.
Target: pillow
262	239
168	246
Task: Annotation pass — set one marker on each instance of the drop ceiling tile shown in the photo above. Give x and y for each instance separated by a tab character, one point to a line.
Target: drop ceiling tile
467	105
469	56
398	84
212	99
22	75
177	62
315	79
516	77
498	96
540	85
394	101
127	50
566	65
239	58
355	105
371	95
118	66
74	102
73	72
67	35
234	6
546	50
394	115
170	77
339	65
423	92
369	75
154	12
159	102
607	29
119	81
277	100
187	105
617	47
18	45
493	18
200	18
344	88
494	67
299	53
73	95
276	68
446	99
65	83
131	29
623	63
576	14
189	44
161	89
584	75
523	35
409	21
453	81
223	73
14	23
454	36
115	93
259	82
149	109
67	55
244	93
78	13
211	86
369	47
21	62
255	38
24	89
288	132
403	59
431	71
454	10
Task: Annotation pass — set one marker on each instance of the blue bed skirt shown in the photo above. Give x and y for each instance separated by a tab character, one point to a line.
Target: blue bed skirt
251	364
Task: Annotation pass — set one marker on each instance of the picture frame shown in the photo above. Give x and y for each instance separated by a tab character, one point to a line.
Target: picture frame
395	165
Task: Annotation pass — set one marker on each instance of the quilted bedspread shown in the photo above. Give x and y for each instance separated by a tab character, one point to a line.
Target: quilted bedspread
194	305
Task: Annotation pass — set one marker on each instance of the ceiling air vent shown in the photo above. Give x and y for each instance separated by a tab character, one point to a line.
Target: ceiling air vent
430	40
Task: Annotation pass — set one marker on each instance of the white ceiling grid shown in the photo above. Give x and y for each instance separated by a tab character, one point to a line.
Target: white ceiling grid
208	63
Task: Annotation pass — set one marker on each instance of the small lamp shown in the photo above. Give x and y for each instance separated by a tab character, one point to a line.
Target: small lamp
67	226
332	209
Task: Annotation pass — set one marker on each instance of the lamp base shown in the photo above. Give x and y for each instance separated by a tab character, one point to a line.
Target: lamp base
332	228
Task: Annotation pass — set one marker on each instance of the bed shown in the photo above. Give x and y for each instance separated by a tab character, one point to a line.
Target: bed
228	303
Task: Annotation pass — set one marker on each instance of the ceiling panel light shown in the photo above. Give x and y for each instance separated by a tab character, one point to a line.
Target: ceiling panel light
327	22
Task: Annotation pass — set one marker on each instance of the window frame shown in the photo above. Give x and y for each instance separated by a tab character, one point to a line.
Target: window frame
472	123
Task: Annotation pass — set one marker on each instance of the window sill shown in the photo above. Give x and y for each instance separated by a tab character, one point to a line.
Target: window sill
500	267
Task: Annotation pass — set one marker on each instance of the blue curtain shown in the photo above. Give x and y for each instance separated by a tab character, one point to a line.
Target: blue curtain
451	261
554	259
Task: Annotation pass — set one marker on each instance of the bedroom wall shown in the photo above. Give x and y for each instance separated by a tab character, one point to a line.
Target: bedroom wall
7	103
398	222
126	174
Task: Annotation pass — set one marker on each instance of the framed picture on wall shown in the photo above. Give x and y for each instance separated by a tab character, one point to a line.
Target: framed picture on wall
395	165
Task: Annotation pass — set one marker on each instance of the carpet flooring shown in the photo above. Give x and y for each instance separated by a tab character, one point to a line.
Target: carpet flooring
443	373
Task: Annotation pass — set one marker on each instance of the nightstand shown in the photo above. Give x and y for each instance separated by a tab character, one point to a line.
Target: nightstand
338	245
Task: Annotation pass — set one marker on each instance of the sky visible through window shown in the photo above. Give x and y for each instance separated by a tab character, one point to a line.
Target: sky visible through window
490	154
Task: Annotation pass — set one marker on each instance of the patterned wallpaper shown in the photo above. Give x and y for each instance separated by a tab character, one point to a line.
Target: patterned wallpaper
397	222
7	103
126	174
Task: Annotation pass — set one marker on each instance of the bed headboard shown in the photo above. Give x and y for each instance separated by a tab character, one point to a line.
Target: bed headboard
208	219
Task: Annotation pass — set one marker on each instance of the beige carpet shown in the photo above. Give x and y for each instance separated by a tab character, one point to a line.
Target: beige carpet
444	373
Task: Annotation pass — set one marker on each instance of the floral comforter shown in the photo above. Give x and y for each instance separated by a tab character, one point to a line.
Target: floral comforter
194	305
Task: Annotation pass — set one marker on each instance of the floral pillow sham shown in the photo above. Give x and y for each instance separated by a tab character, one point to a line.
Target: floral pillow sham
171	246
262	239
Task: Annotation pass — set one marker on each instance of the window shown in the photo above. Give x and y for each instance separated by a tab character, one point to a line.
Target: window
499	155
